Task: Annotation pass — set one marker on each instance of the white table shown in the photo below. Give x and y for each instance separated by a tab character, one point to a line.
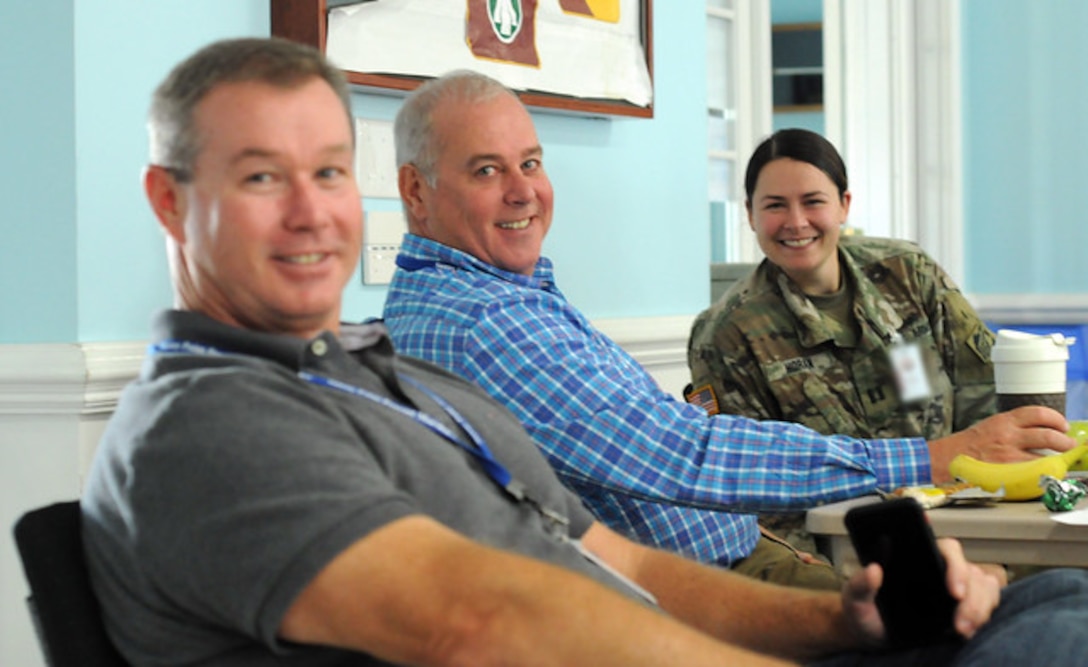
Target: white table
1012	533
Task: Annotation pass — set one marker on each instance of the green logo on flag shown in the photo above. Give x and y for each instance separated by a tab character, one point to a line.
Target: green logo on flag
506	16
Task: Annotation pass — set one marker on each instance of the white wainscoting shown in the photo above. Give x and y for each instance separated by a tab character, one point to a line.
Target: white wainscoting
660	344
55	400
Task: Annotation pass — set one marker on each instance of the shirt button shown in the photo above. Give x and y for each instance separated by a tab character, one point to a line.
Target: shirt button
319	347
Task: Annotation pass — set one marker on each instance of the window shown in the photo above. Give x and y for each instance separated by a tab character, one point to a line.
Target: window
738	116
797	56
898	64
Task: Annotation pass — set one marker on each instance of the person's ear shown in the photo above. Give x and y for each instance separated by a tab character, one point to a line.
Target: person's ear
412	187
845	206
168	200
748	209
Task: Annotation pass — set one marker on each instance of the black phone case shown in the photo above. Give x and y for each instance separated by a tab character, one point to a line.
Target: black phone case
914	601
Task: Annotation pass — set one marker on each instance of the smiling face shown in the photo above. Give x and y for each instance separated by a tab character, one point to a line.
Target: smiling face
797	214
268	230
491	197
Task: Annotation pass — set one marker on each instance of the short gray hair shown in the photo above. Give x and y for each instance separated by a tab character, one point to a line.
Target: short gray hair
413	129
274	61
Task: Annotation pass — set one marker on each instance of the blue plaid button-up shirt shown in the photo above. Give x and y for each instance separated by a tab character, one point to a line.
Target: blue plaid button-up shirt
648	465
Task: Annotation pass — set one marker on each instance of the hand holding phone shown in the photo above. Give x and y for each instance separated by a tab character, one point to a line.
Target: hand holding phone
913	601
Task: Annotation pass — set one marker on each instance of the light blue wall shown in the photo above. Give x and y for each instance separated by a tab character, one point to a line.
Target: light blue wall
1025	84
37	173
123	49
83	259
629	237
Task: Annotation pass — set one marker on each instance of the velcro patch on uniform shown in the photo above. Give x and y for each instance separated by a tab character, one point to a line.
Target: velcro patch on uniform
703	397
981	343
784	369
815	363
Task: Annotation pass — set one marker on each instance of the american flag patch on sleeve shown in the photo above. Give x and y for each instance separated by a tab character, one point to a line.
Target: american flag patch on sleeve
703	397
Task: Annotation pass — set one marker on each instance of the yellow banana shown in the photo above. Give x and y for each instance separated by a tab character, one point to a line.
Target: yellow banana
1020	480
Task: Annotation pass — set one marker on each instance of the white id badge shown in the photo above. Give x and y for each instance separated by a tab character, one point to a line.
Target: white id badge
910	372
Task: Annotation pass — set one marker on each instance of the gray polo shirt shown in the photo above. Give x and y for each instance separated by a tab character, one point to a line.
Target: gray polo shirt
225	482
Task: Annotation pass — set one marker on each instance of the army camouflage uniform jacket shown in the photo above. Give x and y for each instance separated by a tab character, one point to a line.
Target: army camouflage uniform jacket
767	352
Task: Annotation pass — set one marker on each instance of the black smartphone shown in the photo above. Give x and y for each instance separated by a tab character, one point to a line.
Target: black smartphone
913	601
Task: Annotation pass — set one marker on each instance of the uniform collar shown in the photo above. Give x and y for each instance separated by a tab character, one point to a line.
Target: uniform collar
878	320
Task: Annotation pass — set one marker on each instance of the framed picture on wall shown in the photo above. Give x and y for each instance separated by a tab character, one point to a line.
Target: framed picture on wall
583	56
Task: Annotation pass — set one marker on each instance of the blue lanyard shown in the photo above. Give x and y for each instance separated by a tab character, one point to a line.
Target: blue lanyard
478	449
183	347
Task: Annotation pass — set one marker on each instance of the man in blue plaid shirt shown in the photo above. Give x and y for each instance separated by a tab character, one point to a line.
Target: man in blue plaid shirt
472	293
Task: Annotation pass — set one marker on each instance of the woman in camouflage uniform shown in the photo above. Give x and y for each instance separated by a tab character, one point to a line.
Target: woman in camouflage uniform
845	334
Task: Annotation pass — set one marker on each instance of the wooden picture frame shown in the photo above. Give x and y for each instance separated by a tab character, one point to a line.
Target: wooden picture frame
306	21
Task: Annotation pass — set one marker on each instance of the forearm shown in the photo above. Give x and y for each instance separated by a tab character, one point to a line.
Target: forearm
627	436
586	624
434	598
792	623
784	466
943	450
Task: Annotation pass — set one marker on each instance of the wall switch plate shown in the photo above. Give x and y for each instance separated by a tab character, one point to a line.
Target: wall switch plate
379	262
375	159
382	234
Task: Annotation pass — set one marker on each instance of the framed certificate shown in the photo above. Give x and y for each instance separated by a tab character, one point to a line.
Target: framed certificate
582	56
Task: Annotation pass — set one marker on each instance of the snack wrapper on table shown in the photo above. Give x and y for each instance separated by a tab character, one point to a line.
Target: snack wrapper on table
1061	495
939	495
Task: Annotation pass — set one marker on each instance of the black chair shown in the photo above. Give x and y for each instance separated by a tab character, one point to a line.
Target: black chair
62	605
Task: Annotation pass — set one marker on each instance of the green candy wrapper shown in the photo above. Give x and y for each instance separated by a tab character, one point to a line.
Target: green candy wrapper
1061	495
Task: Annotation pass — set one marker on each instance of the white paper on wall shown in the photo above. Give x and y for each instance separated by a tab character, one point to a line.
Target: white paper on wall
578	55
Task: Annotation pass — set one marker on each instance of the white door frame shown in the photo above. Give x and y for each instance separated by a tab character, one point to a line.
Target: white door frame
754	107
892	106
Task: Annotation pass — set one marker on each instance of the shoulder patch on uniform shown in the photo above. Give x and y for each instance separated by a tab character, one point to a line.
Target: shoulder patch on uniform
703	397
